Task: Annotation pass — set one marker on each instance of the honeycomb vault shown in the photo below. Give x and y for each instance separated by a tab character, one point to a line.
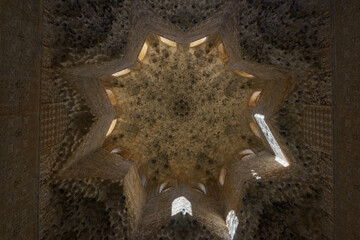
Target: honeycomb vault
180	109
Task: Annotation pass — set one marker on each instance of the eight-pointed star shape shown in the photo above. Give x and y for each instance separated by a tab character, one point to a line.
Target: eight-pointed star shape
194	116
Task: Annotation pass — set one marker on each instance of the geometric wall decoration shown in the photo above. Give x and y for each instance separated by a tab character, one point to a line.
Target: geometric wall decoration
316	124
53	124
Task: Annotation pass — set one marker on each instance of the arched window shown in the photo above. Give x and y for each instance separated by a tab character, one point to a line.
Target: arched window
202	187
143	52
245	153
181	204
198	42
254	98
232	223
162	186
244	74
111	128
122	72
279	155
254	129
111	96
115	150
222	176
168	42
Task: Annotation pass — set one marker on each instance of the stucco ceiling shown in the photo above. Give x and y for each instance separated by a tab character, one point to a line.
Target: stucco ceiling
183	113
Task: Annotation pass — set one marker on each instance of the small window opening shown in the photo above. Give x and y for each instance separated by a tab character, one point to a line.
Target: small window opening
121	73
162	186
115	150
232	223
181	204
222	176
279	155
111	128
111	96
246	152
202	188
198	42
143	52
244	74
168	42
254	98
254	129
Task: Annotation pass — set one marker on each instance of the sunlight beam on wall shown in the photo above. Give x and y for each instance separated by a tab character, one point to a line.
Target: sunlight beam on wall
279	155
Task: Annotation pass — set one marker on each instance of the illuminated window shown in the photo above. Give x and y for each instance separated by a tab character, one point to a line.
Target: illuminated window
279	156
115	150
181	204
202	187
168	42
232	223
244	74
198	42
245	153
111	128
143	52
162	186
254	98
111	96
254	129
122	72
222	176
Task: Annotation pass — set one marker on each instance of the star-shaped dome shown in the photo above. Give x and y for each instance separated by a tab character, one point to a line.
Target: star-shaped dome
183	112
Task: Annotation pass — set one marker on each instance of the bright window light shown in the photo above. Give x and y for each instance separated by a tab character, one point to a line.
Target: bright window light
222	176
202	187
168	42
244	74
254	129
115	150
254	98
143	52
162	186
198	42
111	128
181	204
279	155
232	223
245	153
121	73
111	96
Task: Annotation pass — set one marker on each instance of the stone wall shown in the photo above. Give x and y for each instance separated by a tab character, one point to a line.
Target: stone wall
346	57
20	54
